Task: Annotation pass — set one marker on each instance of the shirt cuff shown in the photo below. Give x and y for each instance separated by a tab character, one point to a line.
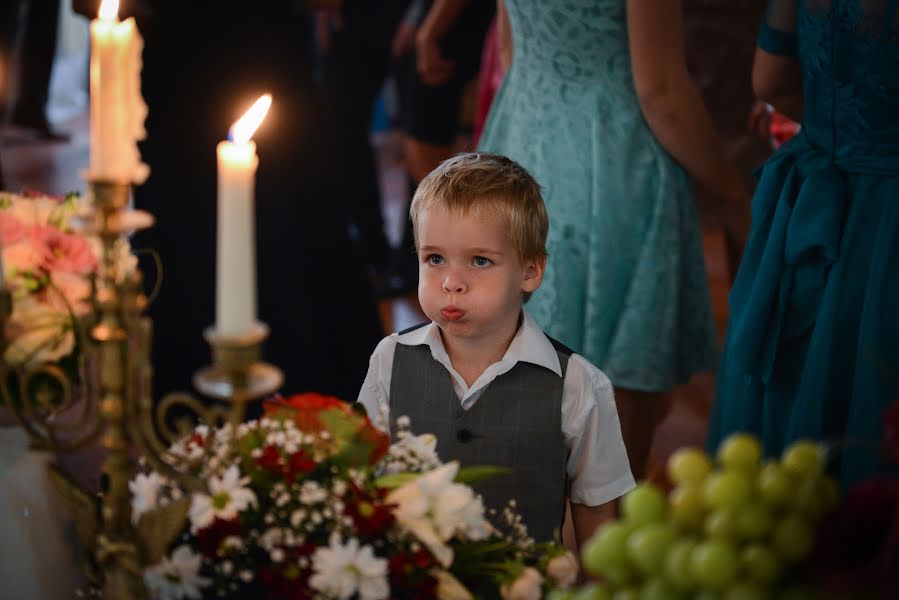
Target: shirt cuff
605	493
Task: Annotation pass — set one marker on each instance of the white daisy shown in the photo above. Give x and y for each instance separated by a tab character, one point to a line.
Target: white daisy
229	496
344	570
144	493
176	578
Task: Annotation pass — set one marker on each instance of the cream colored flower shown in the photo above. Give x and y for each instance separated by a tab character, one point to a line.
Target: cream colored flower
434	509
528	586
38	334
563	569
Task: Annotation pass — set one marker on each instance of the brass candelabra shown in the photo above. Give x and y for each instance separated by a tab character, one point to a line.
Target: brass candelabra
113	400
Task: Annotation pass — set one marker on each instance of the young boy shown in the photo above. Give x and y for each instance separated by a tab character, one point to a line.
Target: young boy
482	376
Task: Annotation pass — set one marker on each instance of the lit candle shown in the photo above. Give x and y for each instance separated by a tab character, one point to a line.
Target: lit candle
235	301
117	108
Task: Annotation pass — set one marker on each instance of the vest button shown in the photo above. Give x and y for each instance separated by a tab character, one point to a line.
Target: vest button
464	436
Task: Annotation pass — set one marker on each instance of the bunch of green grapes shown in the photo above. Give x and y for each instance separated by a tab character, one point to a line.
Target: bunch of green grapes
734	530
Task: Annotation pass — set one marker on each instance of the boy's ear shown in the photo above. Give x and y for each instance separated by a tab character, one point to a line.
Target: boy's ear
533	274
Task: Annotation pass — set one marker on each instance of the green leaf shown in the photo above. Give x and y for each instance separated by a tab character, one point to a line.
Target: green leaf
353	451
395	480
158	528
469	475
338	424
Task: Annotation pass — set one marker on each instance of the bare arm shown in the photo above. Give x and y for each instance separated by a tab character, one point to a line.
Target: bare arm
671	102
433	68
504	33
777	80
440	17
587	518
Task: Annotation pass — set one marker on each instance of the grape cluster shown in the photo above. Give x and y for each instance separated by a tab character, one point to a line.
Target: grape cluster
736	530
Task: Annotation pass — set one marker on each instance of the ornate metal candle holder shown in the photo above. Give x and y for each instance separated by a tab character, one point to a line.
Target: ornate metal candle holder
112	396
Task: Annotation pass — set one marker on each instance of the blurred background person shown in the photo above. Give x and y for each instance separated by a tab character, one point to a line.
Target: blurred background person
600	107
813	336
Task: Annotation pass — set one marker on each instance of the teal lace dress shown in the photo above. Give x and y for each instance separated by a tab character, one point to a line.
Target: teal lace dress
813	341
625	284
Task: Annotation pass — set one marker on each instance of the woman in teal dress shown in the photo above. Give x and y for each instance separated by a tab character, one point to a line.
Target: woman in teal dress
813	338
599	107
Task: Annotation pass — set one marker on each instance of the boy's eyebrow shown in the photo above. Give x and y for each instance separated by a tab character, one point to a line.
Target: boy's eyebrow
470	250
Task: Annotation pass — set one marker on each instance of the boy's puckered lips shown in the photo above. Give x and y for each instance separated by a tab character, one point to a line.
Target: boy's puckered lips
451	313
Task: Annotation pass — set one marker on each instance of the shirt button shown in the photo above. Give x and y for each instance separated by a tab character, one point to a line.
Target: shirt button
464	436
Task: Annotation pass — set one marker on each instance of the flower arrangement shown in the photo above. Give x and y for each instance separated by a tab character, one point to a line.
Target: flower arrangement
312	501
48	267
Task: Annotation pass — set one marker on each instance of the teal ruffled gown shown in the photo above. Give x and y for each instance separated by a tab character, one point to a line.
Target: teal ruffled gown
625	284
812	348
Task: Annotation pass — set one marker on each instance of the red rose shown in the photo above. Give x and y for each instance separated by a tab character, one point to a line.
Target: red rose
304	409
210	538
300	462
409	575
370	514
270	459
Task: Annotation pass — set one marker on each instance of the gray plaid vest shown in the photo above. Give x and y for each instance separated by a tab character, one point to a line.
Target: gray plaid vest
516	423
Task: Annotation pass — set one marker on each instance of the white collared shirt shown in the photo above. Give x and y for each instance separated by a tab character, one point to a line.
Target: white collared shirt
597	460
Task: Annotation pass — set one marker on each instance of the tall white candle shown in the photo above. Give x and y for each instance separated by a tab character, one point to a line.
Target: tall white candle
235	305
117	108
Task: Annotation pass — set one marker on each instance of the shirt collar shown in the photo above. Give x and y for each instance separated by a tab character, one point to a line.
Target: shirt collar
529	345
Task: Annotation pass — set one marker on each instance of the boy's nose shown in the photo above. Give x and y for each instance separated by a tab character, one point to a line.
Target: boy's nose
454	284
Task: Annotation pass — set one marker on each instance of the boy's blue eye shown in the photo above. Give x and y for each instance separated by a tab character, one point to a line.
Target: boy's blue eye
434	259
480	261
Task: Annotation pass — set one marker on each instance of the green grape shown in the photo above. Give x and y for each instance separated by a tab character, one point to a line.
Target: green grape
592	591
743	590
607	546
677	564
713	564
816	496
688	465
562	595
659	589
740	451
774	485
726	489
646	547
618	574
830	493
643	504
803	459
792	539
797	592
629	593
686	509
754	521
721	524
760	563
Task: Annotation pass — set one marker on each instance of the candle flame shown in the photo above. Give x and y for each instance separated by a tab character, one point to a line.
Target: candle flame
109	10
244	128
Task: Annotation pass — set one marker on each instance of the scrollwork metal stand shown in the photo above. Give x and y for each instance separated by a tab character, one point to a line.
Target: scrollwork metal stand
117	404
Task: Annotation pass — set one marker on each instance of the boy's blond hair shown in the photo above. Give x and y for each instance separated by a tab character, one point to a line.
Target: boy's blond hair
483	183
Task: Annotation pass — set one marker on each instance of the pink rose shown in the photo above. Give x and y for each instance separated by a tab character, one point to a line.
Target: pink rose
67	253
11	229
69	290
25	256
